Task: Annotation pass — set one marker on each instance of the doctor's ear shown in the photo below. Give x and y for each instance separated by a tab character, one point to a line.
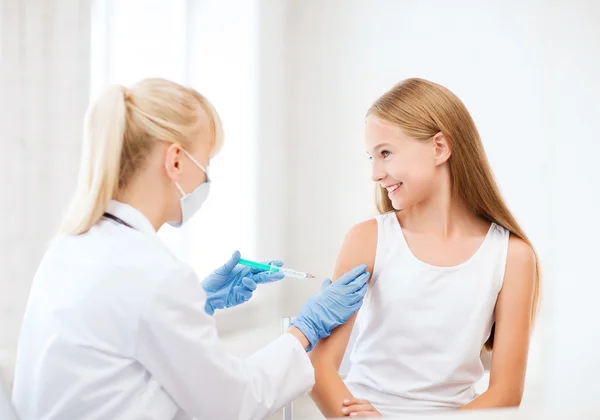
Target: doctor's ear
173	161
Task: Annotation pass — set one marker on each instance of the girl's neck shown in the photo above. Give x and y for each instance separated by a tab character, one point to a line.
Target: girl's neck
442	215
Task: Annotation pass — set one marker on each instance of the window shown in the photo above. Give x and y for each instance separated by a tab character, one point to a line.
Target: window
205	45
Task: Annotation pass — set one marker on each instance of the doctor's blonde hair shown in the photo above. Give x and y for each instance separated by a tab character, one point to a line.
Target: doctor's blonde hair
421	109
121	127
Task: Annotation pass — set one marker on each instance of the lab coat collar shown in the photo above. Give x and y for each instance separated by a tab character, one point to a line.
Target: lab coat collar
130	215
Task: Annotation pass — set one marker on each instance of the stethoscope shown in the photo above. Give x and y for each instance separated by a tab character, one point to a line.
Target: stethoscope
118	220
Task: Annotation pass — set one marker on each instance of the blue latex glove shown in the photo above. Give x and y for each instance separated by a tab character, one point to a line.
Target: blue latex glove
233	284
333	306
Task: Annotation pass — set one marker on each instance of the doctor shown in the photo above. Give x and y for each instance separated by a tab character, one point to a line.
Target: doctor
116	327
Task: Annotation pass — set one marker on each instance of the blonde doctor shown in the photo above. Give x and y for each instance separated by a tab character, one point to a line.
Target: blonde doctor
116	327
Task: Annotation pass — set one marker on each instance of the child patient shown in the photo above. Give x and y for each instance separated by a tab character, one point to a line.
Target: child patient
452	270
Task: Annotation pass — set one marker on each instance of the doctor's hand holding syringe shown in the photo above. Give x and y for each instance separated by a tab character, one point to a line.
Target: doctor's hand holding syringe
234	283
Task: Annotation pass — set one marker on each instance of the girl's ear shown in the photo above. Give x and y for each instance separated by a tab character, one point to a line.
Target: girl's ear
442	148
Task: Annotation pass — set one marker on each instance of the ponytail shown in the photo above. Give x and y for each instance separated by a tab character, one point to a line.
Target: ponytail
99	172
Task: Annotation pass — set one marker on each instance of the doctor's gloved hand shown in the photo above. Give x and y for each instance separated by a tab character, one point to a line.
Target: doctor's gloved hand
333	306
233	284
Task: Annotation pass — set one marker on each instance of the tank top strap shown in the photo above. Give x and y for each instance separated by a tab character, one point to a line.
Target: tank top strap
496	251
389	235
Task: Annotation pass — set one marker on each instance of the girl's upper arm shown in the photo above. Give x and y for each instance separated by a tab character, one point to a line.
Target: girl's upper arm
513	322
358	248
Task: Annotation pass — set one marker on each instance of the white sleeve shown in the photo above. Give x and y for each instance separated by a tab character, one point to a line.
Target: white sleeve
177	343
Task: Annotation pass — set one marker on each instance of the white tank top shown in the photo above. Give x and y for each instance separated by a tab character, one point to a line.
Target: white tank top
421	328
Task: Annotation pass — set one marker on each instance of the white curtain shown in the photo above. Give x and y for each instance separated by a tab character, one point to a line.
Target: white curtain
44	79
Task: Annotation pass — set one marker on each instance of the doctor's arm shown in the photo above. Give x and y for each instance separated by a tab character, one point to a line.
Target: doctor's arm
513	329
330	391
177	343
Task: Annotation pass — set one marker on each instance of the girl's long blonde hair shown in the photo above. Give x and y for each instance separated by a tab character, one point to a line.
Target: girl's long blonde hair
422	109
121	127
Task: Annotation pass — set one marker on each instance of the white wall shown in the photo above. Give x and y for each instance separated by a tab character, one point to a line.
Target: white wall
44	77
526	71
572	68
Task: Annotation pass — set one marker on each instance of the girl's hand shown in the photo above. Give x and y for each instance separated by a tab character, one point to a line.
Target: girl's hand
359	408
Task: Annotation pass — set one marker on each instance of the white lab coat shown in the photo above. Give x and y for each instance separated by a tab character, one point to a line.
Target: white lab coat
115	328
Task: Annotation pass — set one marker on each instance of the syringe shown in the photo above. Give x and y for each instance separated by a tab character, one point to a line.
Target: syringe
274	268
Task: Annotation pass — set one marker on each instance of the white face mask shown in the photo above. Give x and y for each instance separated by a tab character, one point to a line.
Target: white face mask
191	203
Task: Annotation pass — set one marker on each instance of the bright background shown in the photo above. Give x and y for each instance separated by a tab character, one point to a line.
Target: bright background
292	81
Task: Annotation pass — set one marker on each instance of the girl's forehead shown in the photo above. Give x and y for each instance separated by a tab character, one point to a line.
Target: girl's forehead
379	133
378	128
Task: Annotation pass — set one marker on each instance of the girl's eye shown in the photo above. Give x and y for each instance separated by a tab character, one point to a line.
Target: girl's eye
385	153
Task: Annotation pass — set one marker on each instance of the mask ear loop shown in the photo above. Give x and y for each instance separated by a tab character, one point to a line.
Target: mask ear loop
193	159
183	194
